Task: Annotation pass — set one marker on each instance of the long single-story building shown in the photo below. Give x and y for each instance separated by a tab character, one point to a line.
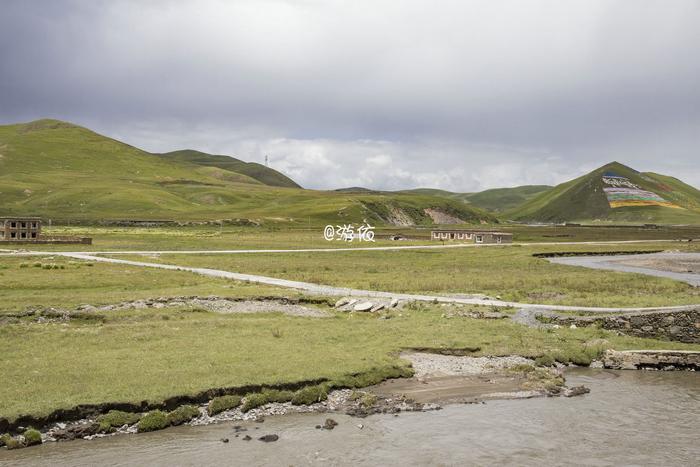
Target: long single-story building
473	236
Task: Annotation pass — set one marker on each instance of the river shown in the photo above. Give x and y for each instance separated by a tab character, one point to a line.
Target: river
629	418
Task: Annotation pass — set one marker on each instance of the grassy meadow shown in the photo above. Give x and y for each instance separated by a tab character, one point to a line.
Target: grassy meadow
151	355
52	281
509	272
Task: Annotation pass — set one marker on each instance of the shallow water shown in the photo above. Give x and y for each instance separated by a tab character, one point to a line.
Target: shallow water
616	263
629	418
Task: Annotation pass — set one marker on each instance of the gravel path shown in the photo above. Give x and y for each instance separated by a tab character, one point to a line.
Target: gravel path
327	290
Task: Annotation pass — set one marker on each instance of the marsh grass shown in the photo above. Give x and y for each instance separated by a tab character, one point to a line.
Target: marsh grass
509	272
134	355
59	284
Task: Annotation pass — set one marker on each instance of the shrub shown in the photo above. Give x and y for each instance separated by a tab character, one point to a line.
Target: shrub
153	420
219	404
310	395
32	437
115	419
23	265
183	414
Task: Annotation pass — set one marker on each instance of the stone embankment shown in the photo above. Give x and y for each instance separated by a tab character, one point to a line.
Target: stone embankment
677	325
652	360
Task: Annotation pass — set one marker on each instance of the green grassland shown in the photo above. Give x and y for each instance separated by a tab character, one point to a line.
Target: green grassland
152	355
67	173
253	170
228	237
495	200
583	199
510	272
28	283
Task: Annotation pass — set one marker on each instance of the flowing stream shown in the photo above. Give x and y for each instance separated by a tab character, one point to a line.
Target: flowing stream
629	418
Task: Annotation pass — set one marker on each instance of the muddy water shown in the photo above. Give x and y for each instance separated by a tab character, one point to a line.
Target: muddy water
629	418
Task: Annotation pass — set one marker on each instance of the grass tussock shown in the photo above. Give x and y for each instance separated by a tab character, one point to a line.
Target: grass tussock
115	419
153	421
182	414
222	403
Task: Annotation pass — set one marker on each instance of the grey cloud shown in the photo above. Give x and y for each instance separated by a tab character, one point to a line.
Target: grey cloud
461	94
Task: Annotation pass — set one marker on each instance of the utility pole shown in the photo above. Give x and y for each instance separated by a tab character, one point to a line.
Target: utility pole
267	160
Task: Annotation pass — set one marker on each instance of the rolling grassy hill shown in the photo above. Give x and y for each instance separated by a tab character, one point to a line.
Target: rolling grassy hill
496	200
253	170
68	173
615	193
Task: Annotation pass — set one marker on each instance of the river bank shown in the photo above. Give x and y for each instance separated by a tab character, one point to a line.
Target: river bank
630	417
437	379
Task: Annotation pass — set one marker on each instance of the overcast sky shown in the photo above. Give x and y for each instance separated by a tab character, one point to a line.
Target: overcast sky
460	95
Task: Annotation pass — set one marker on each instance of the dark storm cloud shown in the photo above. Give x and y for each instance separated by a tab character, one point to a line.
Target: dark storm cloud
460	94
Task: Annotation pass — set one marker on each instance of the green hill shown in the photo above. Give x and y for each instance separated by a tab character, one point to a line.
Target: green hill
496	200
253	170
505	199
614	193
68	173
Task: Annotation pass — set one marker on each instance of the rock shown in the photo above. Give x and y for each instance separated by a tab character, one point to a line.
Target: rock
318	427
224	440
269	438
377	307
393	303
573	326
341	302
575	391
80	430
247	438
363	306
330	424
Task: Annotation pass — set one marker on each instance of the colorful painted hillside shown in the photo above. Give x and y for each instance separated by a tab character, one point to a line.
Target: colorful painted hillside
615	193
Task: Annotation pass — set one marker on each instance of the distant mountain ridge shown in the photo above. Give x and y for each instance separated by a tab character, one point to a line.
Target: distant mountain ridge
68	173
614	192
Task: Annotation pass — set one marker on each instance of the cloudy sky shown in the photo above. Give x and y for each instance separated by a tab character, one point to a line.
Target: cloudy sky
461	95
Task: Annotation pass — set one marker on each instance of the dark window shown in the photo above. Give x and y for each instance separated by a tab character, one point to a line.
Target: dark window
23	235
13	235
33	234
24	225
13	224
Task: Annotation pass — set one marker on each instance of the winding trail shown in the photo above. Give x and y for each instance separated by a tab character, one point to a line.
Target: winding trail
327	290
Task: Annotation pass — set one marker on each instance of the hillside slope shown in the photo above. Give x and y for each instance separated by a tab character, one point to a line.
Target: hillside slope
253	170
496	200
615	193
68	173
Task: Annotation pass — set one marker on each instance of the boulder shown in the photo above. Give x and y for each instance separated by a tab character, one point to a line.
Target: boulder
377	307
341	302
393	303
269	438
363	306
